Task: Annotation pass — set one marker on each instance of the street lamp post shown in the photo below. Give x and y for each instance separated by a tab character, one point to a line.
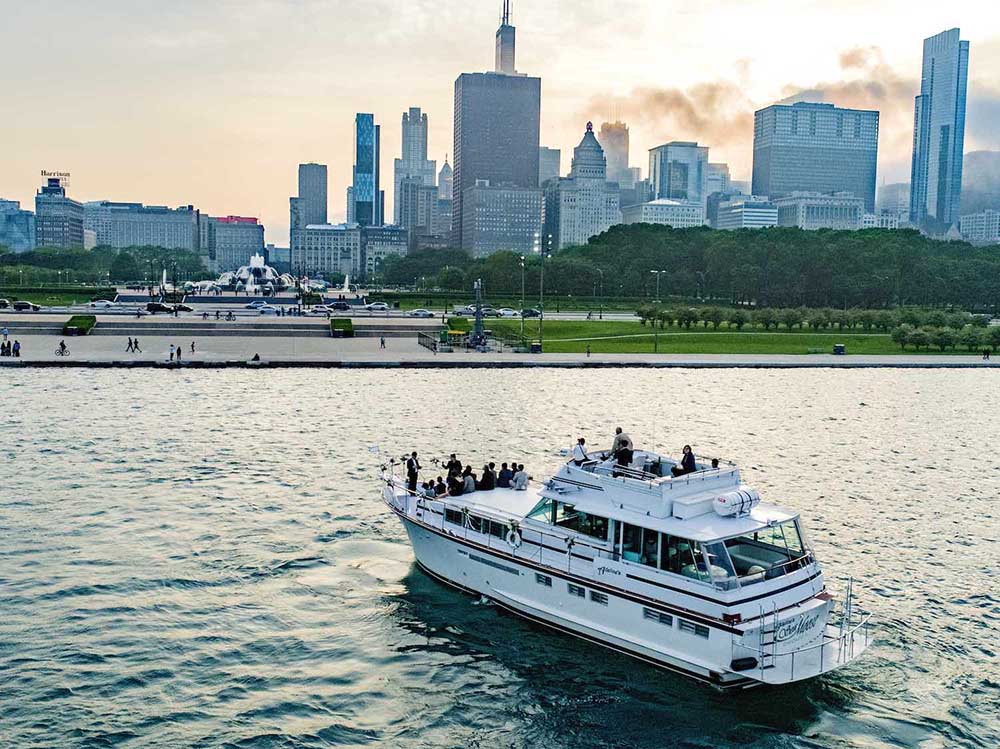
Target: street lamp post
657	274
522	298
600	299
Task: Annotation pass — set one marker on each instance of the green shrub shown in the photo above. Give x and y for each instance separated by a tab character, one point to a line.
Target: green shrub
462	324
342	327
81	323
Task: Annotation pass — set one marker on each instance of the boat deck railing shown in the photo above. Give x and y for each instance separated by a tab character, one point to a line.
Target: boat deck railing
566	543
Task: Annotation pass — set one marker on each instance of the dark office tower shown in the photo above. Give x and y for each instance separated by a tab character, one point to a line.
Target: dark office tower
939	133
365	193
815	147
614	140
505	43
312	193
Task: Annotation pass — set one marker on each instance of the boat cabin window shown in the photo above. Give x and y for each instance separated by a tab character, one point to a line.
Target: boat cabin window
768	552
681	556
565	515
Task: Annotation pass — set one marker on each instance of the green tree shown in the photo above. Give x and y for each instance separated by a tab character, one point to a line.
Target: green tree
125	268
766	317
738	318
943	338
713	315
791	317
971	337
993	337
918	338
901	335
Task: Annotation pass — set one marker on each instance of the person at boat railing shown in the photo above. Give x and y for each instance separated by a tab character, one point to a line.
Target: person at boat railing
621	449
520	481
580	452
412	471
427	490
687	463
440	488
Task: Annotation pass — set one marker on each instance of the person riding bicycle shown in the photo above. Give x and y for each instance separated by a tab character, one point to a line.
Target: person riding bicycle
62	348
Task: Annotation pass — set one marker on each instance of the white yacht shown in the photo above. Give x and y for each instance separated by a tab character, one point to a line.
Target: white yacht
692	573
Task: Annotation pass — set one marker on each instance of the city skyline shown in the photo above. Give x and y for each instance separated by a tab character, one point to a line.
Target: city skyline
229	139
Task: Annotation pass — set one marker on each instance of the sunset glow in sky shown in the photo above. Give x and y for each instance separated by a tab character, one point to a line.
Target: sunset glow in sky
215	102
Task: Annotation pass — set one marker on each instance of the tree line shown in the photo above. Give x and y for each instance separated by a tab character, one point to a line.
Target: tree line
777	267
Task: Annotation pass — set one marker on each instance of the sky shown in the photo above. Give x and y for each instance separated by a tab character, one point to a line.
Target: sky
215	102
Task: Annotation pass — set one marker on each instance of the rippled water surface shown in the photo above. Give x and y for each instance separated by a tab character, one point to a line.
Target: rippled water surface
201	559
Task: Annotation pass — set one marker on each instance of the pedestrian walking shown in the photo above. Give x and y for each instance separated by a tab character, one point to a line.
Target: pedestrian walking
131	346
17	349
192	347
381	342
171	352
178	354
5	333
135	346
588	350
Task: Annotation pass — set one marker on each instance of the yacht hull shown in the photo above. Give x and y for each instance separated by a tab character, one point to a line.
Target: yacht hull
512	584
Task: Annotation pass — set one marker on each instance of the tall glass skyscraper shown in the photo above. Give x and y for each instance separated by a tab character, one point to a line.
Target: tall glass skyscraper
679	171
815	147
414	161
939	133
367	197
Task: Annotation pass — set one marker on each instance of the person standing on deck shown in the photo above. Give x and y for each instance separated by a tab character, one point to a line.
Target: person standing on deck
412	471
580	452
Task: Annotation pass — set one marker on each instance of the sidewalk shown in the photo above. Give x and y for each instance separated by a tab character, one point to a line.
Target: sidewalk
237	351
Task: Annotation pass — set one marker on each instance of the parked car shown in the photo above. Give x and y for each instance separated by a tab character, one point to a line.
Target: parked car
321	309
341	306
155	307
183	308
532	312
377	307
420	313
256	304
4	303
104	304
507	312
25	307
267	309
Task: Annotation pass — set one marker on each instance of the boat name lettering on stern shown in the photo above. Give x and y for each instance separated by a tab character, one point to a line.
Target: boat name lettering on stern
788	630
608	571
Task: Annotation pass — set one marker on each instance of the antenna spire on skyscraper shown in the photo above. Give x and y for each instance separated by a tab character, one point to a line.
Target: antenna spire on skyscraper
505	19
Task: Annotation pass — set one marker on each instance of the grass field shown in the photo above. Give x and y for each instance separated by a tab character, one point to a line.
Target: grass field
49	298
632	338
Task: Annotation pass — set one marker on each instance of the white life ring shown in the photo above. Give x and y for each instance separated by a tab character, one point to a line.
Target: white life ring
513	539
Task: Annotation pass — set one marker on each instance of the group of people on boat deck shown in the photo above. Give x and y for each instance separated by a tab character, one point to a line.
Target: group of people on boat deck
463	480
622	450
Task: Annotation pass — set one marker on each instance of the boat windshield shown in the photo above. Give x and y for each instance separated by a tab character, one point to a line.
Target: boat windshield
768	552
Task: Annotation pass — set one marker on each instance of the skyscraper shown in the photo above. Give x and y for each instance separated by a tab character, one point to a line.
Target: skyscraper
549	164
815	147
366	195
718	177
17	227
505	43
312	193
445	181
585	203
614	140
939	133
496	129
413	162
58	219
679	171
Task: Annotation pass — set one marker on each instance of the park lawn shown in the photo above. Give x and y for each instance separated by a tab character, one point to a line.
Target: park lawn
49	298
560	335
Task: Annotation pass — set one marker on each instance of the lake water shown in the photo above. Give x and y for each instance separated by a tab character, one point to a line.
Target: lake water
201	559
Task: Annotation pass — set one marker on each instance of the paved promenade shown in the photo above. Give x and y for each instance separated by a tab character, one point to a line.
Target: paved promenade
237	351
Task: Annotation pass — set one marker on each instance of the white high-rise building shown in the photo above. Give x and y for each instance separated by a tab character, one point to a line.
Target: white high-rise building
981	228
813	210
666	212
585	203
414	162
